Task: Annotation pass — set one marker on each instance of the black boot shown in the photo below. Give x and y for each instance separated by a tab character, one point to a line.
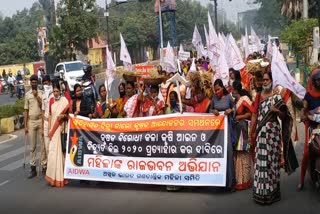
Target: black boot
33	172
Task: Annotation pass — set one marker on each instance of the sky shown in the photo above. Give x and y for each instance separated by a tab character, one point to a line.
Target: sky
9	7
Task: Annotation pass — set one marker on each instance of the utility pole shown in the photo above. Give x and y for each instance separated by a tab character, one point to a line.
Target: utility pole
216	14
106	14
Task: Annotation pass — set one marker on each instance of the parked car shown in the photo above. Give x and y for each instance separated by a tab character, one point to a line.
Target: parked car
71	72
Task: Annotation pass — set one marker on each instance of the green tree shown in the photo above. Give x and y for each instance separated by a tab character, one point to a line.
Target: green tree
78	22
18	36
299	36
269	16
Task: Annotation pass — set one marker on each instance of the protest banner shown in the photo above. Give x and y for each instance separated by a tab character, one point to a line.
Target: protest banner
184	56
178	149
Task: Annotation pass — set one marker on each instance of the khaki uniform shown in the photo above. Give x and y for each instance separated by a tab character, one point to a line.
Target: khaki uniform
35	127
45	109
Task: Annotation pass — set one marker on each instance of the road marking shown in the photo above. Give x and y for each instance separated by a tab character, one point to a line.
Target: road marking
3	183
11	137
19	163
12	153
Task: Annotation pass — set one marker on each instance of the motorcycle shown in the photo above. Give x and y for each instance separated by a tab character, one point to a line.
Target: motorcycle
20	89
4	85
314	152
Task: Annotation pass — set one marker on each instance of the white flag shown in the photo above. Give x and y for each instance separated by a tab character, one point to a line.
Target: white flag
197	42
281	75
246	45
169	60
255	40
222	71
206	35
269	48
181	48
233	54
111	67
213	47
193	67
124	55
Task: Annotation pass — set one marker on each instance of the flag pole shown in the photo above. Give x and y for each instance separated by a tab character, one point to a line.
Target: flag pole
161	34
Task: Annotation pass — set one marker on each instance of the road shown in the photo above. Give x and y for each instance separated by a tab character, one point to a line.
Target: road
19	194
5	99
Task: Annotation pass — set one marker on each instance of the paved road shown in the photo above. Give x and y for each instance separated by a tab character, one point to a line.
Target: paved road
18	194
5	99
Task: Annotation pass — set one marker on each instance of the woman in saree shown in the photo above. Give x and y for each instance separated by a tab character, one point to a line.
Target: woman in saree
203	102
152	105
267	137
222	101
58	109
242	158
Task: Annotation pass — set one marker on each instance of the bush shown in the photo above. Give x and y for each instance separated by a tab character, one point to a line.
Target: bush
12	110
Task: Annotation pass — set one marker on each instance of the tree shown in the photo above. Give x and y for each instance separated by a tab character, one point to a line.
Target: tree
268	18
18	38
78	22
300	37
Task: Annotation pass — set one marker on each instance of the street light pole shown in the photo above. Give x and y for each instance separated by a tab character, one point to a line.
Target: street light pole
215	14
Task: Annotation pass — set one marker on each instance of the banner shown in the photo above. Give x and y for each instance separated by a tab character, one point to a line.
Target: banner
178	149
183	55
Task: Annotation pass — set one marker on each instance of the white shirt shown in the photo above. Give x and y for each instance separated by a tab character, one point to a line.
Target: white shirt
11	79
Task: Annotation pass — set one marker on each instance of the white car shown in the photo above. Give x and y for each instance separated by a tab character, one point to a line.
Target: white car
71	72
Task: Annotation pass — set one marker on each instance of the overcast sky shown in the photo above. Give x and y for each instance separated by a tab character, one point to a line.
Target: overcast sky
9	7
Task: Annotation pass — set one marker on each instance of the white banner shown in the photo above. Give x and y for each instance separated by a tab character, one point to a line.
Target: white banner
184	56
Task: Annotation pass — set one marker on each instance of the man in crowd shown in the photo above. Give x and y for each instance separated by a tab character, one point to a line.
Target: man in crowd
11	82
33	124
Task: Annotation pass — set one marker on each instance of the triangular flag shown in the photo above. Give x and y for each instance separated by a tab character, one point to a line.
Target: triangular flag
111	67
233	54
213	47
169	60
193	67
255	40
124	55
197	42
281	75
246	44
181	48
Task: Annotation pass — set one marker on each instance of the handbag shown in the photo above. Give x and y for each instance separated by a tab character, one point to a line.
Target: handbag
64	138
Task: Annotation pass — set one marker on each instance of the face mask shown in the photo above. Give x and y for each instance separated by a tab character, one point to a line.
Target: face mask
220	93
173	103
34	87
47	89
267	88
57	98
155	98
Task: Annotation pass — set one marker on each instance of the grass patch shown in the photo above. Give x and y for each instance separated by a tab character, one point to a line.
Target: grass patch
12	110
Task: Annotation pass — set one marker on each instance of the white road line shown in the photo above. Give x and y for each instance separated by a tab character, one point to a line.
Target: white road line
3	183
12	153
19	163
5	146
12	136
